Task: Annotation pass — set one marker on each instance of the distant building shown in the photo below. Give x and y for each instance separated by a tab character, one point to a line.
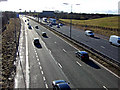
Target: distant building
47	14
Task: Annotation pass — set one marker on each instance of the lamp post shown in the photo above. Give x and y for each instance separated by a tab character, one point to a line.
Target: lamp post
70	16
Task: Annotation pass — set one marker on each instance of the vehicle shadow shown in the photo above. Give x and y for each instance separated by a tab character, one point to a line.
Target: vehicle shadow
96	37
38	45
45	36
92	64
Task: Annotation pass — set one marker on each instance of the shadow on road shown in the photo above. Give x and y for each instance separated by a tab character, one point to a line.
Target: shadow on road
96	37
45	36
92	64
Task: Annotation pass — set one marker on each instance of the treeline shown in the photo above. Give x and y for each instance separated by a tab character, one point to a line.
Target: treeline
6	17
81	16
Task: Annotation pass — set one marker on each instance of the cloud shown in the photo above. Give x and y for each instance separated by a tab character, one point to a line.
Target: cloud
3	0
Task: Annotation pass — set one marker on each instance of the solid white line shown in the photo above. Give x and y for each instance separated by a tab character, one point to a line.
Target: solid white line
78	63
27	63
60	65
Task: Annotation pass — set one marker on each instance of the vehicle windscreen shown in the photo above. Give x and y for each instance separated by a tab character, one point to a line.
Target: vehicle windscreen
90	32
119	40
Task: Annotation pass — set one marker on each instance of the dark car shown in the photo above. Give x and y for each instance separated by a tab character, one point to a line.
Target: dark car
28	19
27	23
25	20
58	26
60	85
82	55
29	27
36	41
36	27
44	34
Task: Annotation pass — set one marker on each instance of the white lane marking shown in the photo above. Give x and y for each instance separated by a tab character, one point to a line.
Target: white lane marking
42	72
60	65
44	78
78	63
55	42
105	68
102	47
46	85
40	67
39	63
27	63
38	59
64	50
35	51
105	87
36	56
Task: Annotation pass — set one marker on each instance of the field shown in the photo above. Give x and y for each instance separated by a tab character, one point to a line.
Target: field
8	54
106	26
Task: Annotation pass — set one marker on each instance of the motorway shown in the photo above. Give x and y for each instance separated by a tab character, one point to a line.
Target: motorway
38	67
98	43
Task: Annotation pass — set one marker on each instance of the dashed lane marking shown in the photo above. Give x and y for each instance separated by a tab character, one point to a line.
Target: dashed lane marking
78	63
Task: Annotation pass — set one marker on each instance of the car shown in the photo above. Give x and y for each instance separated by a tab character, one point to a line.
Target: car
83	55
44	34
60	85
29	27
89	33
36	27
50	25
36	41
115	40
25	20
28	19
58	26
27	23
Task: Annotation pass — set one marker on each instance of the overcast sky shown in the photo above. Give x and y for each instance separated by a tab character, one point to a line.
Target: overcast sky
86	6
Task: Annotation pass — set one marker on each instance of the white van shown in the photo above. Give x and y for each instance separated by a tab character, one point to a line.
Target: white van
115	40
89	33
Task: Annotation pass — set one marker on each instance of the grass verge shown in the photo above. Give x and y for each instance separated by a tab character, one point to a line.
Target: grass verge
9	49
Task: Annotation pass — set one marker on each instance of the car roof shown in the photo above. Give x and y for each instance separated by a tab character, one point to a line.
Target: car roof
59	81
36	38
88	31
83	52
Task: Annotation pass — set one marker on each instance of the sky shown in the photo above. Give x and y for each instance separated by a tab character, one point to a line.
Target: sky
85	6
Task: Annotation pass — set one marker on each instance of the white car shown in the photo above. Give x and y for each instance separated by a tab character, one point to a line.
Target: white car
89	33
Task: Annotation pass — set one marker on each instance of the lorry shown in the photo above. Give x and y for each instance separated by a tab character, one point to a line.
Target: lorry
52	21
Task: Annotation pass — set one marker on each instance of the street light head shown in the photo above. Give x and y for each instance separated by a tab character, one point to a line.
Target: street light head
65	3
77	4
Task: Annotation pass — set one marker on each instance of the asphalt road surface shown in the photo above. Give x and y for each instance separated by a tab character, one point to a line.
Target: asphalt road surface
98	43
54	60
